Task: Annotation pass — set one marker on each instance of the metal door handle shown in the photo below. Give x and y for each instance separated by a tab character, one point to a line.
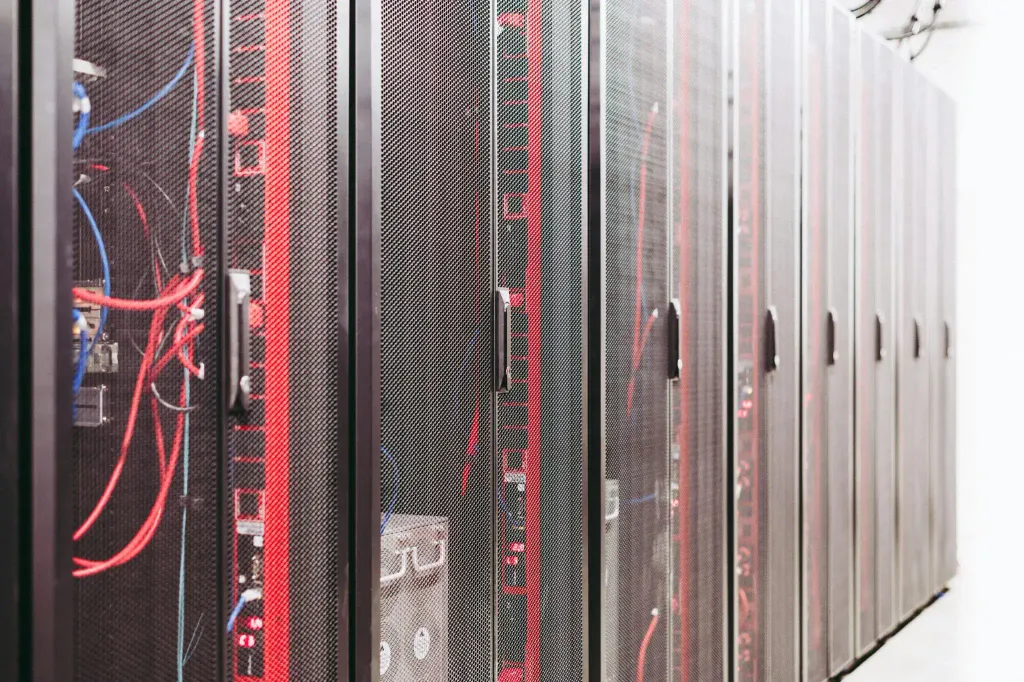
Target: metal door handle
502	339
833	354
879	337
949	340
771	342
918	341
675	360
239	384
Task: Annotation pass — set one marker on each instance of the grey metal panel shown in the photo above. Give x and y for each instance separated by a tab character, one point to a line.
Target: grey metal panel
935	348
839	387
948	554
766	262
817	190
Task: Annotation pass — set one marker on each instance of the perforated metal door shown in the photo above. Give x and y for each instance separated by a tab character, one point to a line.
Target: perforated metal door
540	223
818	191
637	124
697	439
286	231
145	240
875	509
946	556
886	144
437	486
766	260
840	169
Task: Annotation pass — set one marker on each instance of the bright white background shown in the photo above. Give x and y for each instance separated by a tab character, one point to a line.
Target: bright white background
977	632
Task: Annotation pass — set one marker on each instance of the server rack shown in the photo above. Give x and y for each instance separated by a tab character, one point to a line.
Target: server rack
636	128
699	280
912	494
945	552
210	219
473	243
659	147
828	323
765	349
875	358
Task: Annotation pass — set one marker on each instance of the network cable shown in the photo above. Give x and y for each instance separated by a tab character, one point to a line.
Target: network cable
103	261
160	94
84	107
83	351
250	595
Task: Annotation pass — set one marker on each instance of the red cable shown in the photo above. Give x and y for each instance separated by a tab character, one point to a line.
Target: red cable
643	646
145	229
153	304
179	343
133	412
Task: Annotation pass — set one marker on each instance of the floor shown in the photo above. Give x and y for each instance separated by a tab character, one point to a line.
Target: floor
974	633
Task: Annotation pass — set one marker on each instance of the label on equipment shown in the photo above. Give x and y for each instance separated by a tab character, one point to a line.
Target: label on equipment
421	644
248	527
385	657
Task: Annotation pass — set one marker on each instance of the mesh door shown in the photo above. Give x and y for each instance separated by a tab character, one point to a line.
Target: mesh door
887	151
636	129
946	557
146	580
436	367
540	224
698	402
766	253
840	374
284	231
868	103
818	190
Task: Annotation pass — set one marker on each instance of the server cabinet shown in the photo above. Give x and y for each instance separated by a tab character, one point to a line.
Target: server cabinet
637	118
660	104
828	341
945	551
698	207
210	340
875	357
540	226
474	435
766	345
912	378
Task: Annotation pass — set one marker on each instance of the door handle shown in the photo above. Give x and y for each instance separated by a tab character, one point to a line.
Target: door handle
239	383
918	341
502	339
771	342
675	360
833	354
879	337
949	340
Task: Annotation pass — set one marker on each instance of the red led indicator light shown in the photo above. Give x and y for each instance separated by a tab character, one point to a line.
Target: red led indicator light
517	547
246	641
254	623
511	561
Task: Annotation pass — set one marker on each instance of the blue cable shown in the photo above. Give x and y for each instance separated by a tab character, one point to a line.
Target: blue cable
394	490
83	114
103	260
182	658
160	94
83	351
638	500
234	614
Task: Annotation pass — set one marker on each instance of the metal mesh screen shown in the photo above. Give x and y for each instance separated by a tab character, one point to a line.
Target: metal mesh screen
947	556
539	422
284	454
840	374
931	208
637	124
698	401
436	371
819	190
766	247
146	196
886	151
